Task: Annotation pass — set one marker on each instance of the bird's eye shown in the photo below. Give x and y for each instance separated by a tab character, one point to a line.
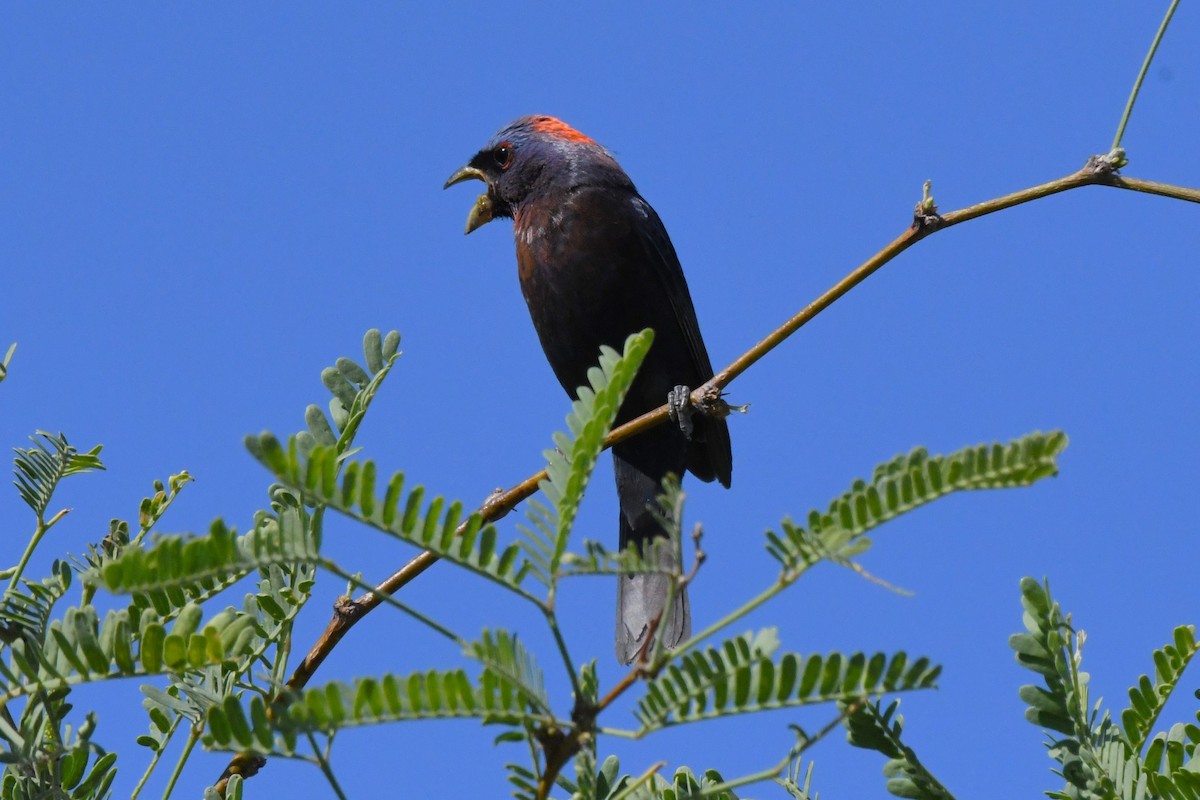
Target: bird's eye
503	156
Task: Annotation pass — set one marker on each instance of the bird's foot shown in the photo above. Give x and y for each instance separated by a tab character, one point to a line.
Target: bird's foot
679	407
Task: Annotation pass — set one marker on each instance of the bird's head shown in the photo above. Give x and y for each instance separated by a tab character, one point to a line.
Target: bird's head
530	158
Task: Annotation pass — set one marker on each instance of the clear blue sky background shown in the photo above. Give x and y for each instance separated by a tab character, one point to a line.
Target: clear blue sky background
203	205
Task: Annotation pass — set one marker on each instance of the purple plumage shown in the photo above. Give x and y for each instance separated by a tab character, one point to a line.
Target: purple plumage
596	265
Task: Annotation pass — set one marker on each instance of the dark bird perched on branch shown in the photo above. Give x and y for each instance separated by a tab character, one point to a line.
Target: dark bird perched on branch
596	265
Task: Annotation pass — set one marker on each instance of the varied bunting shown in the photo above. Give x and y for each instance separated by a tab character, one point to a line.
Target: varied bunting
596	265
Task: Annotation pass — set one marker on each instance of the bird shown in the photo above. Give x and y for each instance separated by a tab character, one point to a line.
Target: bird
595	265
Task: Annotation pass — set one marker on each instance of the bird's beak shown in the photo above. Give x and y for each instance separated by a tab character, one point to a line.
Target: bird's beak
481	212
467	173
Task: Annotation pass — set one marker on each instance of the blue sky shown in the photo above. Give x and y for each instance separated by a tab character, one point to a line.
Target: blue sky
203	205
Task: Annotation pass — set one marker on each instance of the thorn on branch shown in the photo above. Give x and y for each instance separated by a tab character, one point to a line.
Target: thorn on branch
926	218
858	568
697	534
802	736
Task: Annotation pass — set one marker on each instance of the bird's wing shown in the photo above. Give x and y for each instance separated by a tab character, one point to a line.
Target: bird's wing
660	255
711	456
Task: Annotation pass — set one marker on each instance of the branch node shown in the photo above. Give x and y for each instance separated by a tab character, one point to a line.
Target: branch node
344	607
497	505
926	218
492	498
1106	164
710	402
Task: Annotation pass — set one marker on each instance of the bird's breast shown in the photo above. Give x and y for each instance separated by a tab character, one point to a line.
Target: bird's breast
587	281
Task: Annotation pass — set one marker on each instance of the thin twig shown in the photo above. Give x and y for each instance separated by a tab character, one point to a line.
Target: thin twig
796	751
359	583
1137	84
561	643
162	746
1153	187
43	527
193	737
326	767
631	678
645	777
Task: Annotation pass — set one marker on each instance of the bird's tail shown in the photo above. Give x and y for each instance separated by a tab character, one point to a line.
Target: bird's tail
642	597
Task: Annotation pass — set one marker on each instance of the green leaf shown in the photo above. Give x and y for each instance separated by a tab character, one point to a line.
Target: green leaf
570	465
353	389
237	725
1148	697
599	560
797	786
509	670
437	527
26	610
101	776
906	483
685	783
874	728
744	675
197	567
1094	756
12	348
39	469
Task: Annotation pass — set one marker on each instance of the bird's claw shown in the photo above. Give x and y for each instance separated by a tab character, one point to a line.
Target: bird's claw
680	409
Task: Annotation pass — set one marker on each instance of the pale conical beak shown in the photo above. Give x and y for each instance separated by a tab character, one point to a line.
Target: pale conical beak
481	212
467	173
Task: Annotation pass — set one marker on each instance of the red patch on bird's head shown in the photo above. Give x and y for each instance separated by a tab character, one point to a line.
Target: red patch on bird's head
552	126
